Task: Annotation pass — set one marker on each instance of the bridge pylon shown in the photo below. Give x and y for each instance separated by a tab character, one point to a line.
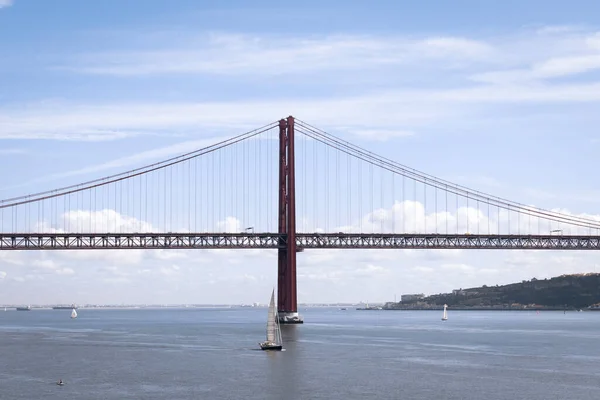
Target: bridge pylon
287	299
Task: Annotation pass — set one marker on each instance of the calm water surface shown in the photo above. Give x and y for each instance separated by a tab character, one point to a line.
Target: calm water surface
212	354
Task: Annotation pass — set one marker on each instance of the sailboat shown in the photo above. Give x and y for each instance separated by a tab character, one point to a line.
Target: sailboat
273	341
445	315
73	314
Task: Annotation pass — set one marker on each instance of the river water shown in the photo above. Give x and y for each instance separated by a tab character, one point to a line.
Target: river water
212	354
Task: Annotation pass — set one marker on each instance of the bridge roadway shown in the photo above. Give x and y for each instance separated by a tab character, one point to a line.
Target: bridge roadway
103	241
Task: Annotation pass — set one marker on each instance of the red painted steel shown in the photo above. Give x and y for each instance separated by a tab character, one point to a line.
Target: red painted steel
290	276
282	218
286	256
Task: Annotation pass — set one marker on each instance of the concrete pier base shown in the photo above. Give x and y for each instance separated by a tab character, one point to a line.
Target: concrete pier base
290	318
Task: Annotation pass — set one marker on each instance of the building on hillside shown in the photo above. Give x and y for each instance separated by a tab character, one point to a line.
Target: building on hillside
411	297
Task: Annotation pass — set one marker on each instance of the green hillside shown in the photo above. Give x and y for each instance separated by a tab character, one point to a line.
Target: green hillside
565	291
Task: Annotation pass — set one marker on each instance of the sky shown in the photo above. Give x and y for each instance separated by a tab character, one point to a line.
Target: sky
501	97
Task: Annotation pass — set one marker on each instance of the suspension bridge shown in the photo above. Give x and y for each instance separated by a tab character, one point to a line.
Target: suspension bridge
287	186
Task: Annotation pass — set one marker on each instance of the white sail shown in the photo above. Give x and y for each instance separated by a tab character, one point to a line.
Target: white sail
272	320
278	327
73	314
445	315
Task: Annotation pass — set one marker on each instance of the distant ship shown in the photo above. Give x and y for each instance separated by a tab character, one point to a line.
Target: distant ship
28	308
71	307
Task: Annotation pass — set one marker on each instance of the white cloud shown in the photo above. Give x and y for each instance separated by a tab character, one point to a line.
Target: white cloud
6	3
112	258
408	110
559	29
114	270
377	134
10	257
556	67
45	264
371	270
2	274
65	271
594	41
457	267
227	54
452	48
170	270
42	265
92	221
12	151
551	68
143	157
69	119
409	216
484	75
36	130
518	94
230	225
476	181
160	254
551	53
528	55
426	270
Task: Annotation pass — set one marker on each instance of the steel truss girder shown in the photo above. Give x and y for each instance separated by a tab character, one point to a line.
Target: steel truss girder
91	241
447	241
94	241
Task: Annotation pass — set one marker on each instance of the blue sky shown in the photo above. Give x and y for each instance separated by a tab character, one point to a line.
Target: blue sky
501	97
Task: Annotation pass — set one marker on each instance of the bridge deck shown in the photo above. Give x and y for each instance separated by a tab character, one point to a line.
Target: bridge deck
90	241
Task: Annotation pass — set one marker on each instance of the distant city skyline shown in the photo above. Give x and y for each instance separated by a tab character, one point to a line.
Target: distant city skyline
499	101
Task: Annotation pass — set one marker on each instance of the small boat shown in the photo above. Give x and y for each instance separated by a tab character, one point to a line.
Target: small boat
273	341
73	314
445	315
28	308
60	383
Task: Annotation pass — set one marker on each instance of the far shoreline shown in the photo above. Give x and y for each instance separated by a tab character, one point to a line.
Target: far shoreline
487	309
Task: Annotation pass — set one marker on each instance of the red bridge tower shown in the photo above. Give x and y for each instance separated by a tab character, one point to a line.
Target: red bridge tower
287	299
